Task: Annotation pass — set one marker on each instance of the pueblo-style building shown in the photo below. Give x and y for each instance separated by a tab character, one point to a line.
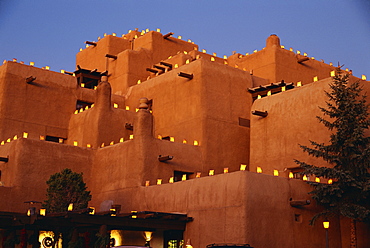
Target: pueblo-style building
201	146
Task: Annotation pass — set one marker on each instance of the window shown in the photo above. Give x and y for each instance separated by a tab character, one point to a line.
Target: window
82	104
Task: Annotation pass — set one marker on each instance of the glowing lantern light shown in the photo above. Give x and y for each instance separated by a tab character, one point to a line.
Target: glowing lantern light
82	85
87	107
189	41
111	143
183	178
136	110
127	108
75	143
291	175
282	46
225	57
259	97
211	172
115	105
204	51
81	110
146	183
330	181
14	60
225	62
184	141
42	137
363	77
255	51
331	63
198	174
61	141
276	173
15	137
105	34
332	73
62	71
326	224
139	81
88	145
243	167
25	135
158	30
283	88
159	136
187	61
185	52
159	181
135	36
42	211
142	32
298	52
92	105
121	140
299	84
8	140
70	207
131	136
176	66
76	112
291	49
305	178
32	63
171	180
259	169
226	170
172	139
317	179
315	79
92	210
197	57
236	66
196	143
169	57
304	54
86	46
47	67
212	59
102	145
29	212
312	57
114	34
346	69
269	93
240	56
179	37
80	49
2	142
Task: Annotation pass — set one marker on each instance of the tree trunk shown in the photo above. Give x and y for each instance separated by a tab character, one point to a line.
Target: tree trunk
353	234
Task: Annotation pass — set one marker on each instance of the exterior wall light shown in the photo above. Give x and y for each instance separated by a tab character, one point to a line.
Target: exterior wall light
70	207
211	172
276	173
243	167
259	169
42	211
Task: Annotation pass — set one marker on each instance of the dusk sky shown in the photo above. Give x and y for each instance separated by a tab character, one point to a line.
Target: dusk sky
51	32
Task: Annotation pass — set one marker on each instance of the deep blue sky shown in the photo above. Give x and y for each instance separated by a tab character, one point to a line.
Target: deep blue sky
50	32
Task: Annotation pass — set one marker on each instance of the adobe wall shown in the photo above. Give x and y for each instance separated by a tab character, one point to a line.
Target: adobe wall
235	208
291	121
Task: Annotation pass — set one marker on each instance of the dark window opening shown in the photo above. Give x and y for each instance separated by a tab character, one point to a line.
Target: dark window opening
173	239
178	175
54	139
87	78
82	104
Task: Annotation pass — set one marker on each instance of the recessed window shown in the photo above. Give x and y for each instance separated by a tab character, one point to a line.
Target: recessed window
82	104
298	218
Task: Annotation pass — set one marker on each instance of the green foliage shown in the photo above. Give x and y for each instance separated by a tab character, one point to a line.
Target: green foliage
348	153
64	188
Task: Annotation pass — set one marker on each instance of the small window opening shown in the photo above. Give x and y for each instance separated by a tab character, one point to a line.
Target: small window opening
298	218
87	78
54	139
82	104
178	175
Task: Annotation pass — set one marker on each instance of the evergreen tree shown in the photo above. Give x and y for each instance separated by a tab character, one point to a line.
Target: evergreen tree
64	188
347	154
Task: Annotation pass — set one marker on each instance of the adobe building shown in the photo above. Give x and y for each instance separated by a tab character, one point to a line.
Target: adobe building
162	129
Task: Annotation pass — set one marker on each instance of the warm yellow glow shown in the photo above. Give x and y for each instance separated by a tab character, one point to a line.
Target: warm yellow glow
326	224
259	169
114	34
82	85
135	36
305	178
330	181
121	140
80	49
42	137
61	141
255	51
363	77
29	212
88	145
87	107
225	62
312	57
148	235
159	136
291	49
212	59
189	40
259	97
86	46
139	81
102	145
92	211
269	93
236	66
304	54
75	143
8	140
47	67
183	178
243	167
70	207
179	37
81	110
131	136
105	34
4	61
134	213
187	61
226	170
32	63
317	179
76	112
92	105
225	57
136	110
2	142
198	174
127	108
42	211
15	137
197	57
171	180
14	60
196	143
291	175
276	173
117	236
176	66
184	141
240	56
299	84
172	139
283	88
159	181
282	46
142	32
298	52
211	172
111	143
169	57
331	63
158	30
25	135
315	79
147	183
204	51
115	105
332	73
185	52
346	69
50	236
